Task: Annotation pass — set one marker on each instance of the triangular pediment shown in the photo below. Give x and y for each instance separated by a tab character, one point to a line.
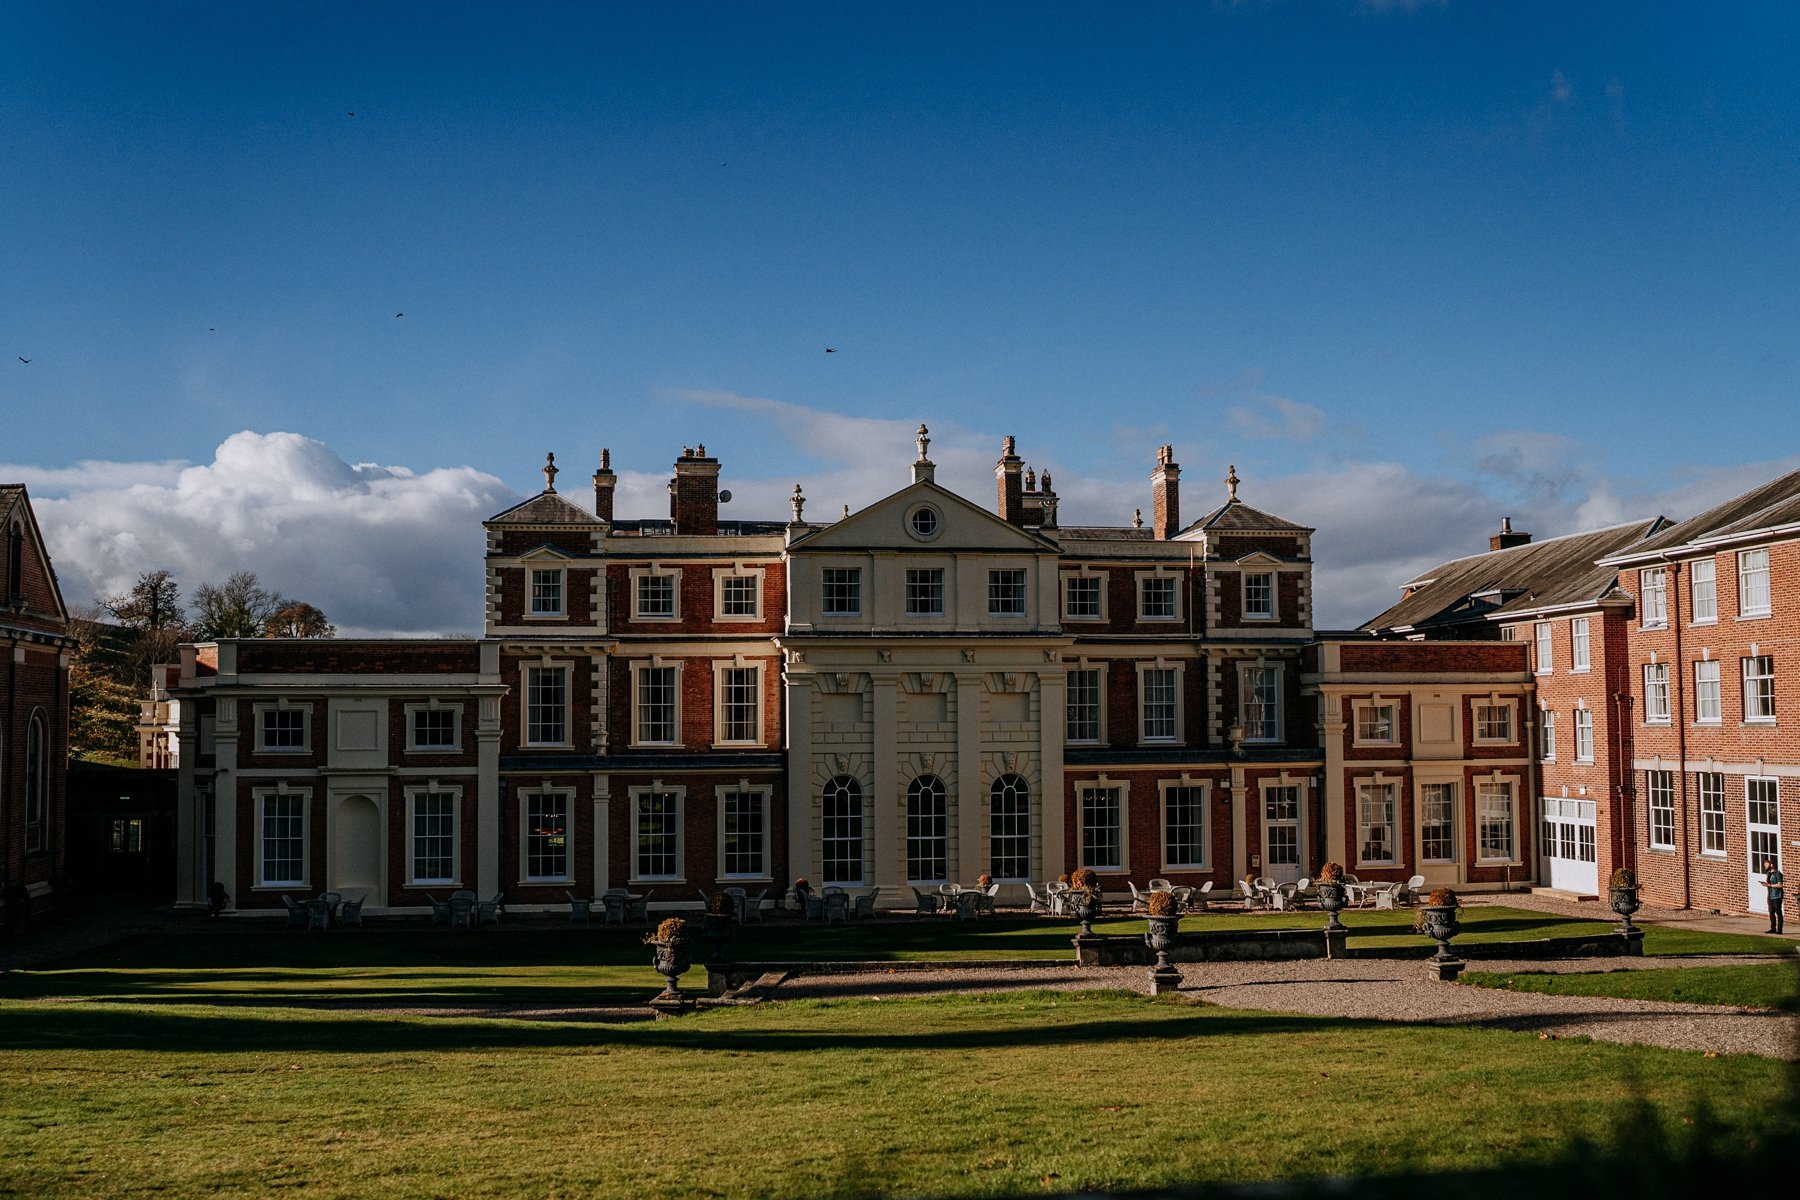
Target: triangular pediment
541	553
1258	558
888	524
545	508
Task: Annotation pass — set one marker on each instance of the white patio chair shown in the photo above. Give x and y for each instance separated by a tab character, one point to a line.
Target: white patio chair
1160	885
925	902
1410	893
1038	902
753	905
864	904
736	897
1384	895
985	897
1201	896
836	905
1139	901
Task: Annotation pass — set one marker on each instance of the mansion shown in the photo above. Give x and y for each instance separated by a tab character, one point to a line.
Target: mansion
923	691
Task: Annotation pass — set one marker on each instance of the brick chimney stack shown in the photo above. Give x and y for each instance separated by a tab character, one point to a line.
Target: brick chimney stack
1165	494
1009	475
694	493
604	482
1506	539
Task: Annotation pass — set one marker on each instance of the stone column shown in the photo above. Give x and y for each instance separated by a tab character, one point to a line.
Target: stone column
880	846
972	842
800	781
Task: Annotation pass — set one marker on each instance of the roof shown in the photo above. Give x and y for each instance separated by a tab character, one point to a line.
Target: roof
1770	506
545	508
1518	580
9	494
1234	516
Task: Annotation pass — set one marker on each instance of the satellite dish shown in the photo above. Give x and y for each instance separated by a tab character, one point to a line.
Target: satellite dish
725	497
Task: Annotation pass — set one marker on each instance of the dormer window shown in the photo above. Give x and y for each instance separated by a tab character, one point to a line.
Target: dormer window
1259	596
546	592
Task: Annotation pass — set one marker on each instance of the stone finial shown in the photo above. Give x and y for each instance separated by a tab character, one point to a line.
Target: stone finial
1030	480
846	512
1231	480
1137	518
1007	447
1046	481
799	503
605	459
924	441
550	473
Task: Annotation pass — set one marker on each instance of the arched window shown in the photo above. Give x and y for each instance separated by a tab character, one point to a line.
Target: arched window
841	830
37	764
927	831
1009	833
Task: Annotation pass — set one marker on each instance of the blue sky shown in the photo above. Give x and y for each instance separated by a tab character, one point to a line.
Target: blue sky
1408	265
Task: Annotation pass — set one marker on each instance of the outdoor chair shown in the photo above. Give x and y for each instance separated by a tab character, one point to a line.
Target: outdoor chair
836	905
296	913
753	905
735	895
318	913
637	908
1139	901
985	897
489	912
1199	897
864	905
1182	896
1384	895
1160	885
926	902
579	909
1039	902
968	905
1252	898
351	913
440	910
812	906
612	906
1410	893
462	911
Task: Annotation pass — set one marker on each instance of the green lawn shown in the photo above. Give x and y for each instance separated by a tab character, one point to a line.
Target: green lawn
1752	985
998	1095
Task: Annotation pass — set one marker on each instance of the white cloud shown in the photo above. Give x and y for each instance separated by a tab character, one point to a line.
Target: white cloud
1279	417
380	549
88	473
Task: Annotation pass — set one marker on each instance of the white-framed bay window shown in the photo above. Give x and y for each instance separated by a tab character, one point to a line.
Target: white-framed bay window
282	829
655	703
1103	825
546	834
737	703
1187	840
546	704
744	815
1496	820
1159	701
1377	841
657	833
433	834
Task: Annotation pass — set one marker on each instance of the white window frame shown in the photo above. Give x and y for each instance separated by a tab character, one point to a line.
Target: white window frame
1709	787
1204	788
1450	799
861	817
720	700
260	797
1581	646
1759	708
1584	735
763	795
1659	801
1504	704
567	671
639	577
414	794
1143	579
1252	614
1364	794
723	578
1246	691
925	581
1484	790
638	671
1656	693
854	580
1121	794
567	796
1032	818
1177	717
1543	648
1547	735
935	841
1653	598
1709	695
1100	581
1703	571
1098	670
994	581
433	706
1755	598
263	711
560	575
1363	722
633	831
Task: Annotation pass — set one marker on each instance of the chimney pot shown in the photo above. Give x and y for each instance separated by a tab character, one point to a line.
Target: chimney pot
1165	494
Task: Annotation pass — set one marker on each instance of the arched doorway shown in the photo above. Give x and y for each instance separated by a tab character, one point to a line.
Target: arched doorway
356	848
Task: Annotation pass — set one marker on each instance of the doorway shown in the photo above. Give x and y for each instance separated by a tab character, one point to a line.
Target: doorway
1281	834
356	847
1762	800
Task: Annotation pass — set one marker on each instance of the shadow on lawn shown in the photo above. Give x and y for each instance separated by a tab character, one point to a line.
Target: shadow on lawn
99	1029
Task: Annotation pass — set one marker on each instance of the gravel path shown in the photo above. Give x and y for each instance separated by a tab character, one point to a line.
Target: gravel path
1378	990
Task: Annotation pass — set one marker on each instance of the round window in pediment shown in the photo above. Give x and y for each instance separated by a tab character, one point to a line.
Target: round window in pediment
924	522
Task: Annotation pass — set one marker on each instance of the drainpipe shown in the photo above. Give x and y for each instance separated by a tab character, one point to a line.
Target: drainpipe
1678	713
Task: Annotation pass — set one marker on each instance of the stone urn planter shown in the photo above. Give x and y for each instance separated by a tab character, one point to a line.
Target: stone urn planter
1163	932
1084	898
669	954
1333	896
1440	926
1623	896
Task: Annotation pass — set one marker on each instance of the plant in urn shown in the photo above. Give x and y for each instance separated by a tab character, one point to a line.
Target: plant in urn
670	954
1164	925
1623	894
1084	897
1440	921
1332	895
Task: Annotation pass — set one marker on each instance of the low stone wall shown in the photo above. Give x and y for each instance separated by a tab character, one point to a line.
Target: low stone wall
1277	945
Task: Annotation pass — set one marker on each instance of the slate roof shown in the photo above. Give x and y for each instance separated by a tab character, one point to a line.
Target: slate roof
1518	580
9	495
1775	503
545	508
1236	516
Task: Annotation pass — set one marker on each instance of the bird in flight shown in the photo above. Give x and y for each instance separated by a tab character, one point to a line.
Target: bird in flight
350	114
831	349
23	359
397	316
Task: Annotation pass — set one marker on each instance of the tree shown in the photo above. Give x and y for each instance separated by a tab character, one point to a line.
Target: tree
242	607
149	613
103	690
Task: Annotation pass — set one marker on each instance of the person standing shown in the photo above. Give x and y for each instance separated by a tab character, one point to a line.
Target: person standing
1772	878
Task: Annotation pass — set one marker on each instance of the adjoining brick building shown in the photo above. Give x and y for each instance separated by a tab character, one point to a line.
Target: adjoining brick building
34	715
922	691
